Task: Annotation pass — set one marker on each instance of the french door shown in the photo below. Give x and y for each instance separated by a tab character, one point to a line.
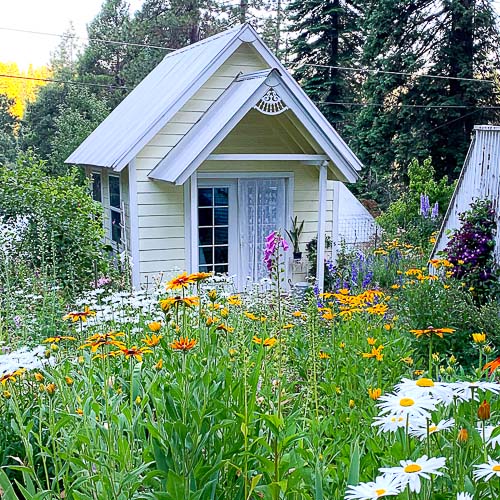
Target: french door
234	218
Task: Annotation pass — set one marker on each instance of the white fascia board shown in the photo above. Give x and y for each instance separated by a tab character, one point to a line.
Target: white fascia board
189	92
296	104
274	62
207	134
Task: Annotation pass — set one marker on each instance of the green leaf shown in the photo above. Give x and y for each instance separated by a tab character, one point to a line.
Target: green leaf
353	476
8	490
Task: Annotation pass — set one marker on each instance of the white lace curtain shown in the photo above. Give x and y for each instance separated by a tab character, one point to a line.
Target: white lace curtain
262	205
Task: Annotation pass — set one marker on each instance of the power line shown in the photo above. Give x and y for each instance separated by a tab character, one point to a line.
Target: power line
403	73
71	82
102	40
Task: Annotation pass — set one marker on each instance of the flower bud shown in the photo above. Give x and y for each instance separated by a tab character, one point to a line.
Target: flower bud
484	410
463	435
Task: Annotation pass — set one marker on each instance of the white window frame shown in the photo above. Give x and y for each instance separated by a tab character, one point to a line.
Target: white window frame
116	210
219	179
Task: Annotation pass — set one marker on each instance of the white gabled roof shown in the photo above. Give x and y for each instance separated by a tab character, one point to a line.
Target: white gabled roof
226	113
150	106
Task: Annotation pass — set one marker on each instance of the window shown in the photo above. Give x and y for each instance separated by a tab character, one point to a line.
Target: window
115	208
213	229
97	186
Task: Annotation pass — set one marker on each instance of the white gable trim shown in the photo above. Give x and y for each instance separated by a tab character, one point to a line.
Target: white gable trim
197	145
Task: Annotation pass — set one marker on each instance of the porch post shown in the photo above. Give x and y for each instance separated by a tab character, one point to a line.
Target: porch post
335	220
193	243
320	266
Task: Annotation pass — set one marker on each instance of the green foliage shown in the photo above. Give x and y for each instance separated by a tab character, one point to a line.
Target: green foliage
403	218
443	37
8	129
295	233
65	230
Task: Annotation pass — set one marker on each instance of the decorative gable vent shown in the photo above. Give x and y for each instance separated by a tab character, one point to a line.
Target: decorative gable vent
271	103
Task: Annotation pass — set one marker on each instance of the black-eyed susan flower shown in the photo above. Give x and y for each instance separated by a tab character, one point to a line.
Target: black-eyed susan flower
58	338
234	300
181	281
134	352
269	342
427	332
183	344
323	355
80	315
152	340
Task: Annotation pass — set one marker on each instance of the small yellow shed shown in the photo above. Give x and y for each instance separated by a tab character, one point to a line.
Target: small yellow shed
215	148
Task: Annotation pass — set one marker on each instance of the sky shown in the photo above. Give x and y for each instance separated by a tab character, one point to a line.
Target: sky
48	16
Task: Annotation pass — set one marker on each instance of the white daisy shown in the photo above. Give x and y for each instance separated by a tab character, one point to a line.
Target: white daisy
381	487
465	390
412	405
411	471
487	471
488	431
419	429
440	391
464	496
390	423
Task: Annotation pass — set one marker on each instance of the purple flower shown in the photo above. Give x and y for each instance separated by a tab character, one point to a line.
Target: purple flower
18	321
425	206
435	211
273	242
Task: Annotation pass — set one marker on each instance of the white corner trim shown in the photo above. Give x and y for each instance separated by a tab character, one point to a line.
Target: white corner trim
320	266
134	224
312	159
193	224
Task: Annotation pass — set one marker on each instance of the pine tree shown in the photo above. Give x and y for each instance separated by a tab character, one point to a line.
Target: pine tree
327	33
451	38
8	127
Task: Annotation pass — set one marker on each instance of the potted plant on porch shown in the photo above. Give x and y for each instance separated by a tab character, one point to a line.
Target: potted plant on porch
294	235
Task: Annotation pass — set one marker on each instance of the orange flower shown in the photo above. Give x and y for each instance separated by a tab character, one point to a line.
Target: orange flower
484	410
135	352
492	365
152	340
297	314
166	304
11	377
80	316
181	281
371	341
269	342
183	344
159	365
463	435
427	332
376	353
50	389
69	380
374	393
98	340
225	328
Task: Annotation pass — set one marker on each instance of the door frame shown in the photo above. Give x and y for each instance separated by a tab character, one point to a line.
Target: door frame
229	179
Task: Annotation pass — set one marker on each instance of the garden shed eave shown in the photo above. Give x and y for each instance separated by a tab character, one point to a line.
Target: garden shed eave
226	112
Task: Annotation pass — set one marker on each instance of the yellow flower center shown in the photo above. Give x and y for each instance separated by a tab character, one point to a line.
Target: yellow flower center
433	428
406	402
380	492
496	468
425	382
413	468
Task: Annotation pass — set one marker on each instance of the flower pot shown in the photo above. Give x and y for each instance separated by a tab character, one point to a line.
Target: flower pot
297	255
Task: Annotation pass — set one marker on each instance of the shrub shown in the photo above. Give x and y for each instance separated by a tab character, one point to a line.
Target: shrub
64	230
471	250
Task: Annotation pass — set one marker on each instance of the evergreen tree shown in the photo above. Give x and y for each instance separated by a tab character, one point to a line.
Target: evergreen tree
327	33
407	115
8	127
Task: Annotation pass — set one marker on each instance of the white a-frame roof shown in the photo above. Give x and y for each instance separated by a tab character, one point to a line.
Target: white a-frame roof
153	103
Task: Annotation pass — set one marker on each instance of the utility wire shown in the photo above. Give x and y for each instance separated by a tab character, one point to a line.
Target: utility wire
325	66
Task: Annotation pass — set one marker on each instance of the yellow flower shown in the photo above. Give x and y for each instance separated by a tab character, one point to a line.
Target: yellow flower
154	326
288	326
152	340
39	377
418	372
212	295
374	393
387	326
395	286
50	388
135	352
80	316
376	353
138	400
427	332
224	312
323	355
479	338
298	314
408	360
69	380
371	341
352	404
225	328
159	365
181	281
463	435
58	338
234	300
6	394
79	411
342	345
269	342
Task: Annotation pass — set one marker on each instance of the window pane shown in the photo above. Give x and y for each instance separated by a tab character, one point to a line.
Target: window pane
220	196
205	197
206	269
206	255
221	269
205	216
221	216
205	236
96	187
114	191
221	255
221	234
116	231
